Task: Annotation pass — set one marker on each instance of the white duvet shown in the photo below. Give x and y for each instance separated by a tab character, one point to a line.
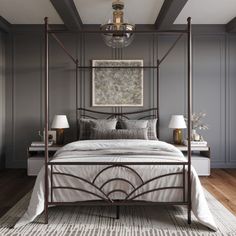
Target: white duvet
119	151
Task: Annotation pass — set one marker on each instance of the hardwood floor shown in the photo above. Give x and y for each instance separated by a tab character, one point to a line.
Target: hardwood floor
14	184
222	185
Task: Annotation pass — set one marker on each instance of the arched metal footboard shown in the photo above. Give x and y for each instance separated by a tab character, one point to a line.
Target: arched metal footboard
132	192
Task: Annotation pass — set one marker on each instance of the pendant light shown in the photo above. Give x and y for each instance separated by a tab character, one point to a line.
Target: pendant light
119	38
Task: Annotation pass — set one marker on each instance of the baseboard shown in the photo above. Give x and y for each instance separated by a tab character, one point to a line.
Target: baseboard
223	165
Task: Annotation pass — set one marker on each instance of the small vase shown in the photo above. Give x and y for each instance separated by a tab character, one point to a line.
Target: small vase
195	135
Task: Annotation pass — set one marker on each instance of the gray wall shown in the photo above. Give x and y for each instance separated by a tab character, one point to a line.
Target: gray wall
2	99
214	63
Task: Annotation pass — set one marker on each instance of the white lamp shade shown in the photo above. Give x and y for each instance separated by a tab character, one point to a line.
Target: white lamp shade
60	122
177	122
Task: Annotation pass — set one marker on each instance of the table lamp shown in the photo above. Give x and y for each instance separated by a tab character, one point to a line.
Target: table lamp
60	123
177	123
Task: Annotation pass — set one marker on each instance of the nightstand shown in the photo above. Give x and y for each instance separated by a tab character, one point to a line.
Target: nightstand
35	158
200	158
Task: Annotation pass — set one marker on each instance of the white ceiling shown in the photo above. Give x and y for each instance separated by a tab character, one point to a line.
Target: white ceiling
28	11
136	11
208	11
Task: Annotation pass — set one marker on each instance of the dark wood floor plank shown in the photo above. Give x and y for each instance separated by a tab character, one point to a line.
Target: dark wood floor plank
14	184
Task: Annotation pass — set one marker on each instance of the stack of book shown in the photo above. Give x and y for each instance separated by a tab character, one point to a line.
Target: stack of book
196	143
40	144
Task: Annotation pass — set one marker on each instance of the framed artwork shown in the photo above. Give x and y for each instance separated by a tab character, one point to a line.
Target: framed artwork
52	136
117	86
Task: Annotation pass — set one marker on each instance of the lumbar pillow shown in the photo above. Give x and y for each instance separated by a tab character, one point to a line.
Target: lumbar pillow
119	133
133	124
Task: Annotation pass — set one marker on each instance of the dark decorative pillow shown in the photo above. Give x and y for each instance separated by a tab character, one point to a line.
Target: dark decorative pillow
85	126
139	124
119	134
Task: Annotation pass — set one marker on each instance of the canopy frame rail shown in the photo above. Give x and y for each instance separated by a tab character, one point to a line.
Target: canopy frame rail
57	31
75	60
48	31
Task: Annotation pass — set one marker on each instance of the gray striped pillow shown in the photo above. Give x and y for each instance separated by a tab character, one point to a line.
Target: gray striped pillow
138	124
119	134
85	126
152	129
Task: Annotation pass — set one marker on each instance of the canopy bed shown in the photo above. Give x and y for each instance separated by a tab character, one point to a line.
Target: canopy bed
123	171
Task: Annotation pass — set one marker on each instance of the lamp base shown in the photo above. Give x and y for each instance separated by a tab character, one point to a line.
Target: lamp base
177	136
60	136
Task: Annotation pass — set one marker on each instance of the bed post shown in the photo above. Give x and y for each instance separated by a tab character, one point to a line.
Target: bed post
158	100
189	115
76	97
117	212
46	118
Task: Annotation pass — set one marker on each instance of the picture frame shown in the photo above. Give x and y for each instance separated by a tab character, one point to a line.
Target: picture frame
113	87
52	136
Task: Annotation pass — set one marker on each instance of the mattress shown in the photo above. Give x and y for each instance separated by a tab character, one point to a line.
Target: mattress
95	178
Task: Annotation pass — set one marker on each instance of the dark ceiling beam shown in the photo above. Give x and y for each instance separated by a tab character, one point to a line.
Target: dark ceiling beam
168	13
4	25
231	26
68	13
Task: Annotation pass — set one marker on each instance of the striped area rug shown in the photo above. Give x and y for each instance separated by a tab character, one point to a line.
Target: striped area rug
134	221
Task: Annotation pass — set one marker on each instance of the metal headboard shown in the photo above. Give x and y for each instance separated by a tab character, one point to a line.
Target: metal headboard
151	113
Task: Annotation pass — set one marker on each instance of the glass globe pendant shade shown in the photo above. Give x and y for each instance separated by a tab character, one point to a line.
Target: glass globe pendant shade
121	37
118	39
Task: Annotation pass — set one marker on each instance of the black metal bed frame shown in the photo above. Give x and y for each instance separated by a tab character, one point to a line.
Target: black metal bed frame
131	196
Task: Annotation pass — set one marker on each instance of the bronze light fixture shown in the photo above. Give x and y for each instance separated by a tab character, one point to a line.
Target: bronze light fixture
120	38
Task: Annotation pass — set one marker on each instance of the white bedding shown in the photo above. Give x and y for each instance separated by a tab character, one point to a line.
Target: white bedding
118	151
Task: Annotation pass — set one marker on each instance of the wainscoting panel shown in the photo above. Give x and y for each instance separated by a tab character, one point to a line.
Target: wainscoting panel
209	90
62	81
231	108
26	89
173	75
2	98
